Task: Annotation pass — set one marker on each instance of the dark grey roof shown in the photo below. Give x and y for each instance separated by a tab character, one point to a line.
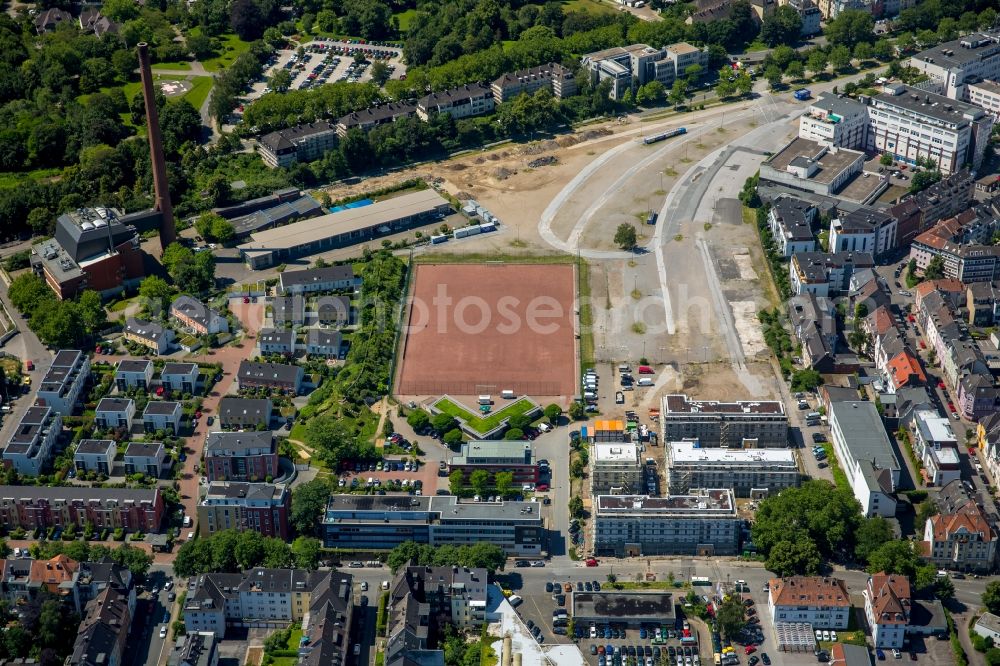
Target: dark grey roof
931	105
300	208
292	136
317	275
178	368
864	219
114	404
959	52
94	446
194	649
149	330
276	336
165	407
100	639
231	406
840	105
251	370
84	243
134	365
239	441
82	493
193	308
378	114
864	434
143	449
453	95
324	338
547	71
248	491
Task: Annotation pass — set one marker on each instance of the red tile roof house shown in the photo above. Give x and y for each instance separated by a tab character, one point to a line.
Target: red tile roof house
887	607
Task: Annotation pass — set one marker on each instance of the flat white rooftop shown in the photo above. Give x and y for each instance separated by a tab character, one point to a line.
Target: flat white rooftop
616	452
690	453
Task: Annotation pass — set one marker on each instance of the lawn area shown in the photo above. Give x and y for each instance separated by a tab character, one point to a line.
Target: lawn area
839	478
405	19
592	6
480	424
180	64
11	179
200	87
232	47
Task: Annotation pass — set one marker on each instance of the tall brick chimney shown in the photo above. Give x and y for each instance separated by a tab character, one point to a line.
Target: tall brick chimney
160	188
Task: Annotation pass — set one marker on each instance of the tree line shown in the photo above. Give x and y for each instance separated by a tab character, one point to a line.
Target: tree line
234	551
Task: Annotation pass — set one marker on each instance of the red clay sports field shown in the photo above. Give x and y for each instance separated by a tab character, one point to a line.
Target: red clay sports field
476	329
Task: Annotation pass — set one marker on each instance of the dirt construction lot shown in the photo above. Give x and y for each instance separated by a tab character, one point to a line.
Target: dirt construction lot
477	328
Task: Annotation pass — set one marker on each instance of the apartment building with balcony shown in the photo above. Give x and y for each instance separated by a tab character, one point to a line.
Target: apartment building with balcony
31	446
64	381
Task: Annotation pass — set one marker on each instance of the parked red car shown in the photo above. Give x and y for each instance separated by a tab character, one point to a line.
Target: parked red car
645	370
591	562
751	649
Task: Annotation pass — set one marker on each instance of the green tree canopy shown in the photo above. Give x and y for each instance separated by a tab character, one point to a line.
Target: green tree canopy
308	504
816	511
626	237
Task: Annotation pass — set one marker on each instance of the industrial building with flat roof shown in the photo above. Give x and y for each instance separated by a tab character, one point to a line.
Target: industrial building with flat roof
866	455
497	455
343	228
747	471
382	522
639	525
911	124
956	64
725	424
633	609
813	167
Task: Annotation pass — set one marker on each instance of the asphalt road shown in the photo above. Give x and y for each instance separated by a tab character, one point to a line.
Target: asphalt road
26	346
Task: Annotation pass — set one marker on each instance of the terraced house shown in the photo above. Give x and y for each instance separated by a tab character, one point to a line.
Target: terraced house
30	507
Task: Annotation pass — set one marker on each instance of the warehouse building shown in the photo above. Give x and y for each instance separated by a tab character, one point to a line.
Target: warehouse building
737	424
347	227
749	472
638	525
866	455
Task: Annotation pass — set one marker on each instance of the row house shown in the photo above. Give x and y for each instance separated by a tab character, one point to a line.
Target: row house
473	99
134	373
148	334
983	303
64	381
197	317
313	280
31	447
936	445
325	343
244	413
276	376
162	415
276	341
31	507
814	324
